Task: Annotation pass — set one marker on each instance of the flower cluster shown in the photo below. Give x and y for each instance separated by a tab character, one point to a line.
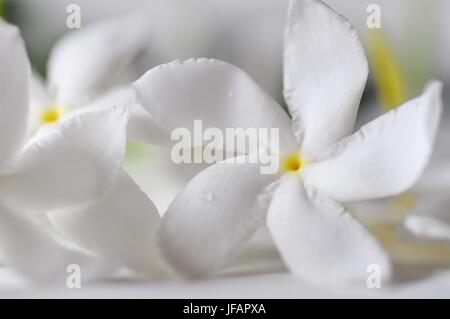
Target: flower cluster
66	199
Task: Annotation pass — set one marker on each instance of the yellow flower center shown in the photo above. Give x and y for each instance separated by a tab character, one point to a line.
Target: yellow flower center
52	114
294	163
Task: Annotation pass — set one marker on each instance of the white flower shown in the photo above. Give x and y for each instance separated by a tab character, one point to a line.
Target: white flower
89	68
72	171
87	63
325	70
67	166
86	71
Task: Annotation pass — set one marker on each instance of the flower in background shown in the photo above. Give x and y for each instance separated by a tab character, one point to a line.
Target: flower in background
66	188
69	165
86	71
325	70
87	63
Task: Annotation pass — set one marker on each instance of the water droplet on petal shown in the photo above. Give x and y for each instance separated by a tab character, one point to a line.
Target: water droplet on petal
207	196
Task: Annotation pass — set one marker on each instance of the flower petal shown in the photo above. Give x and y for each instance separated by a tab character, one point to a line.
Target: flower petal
213	217
218	93
318	239
87	62
29	248
141	126
70	164
430	221
325	71
39	96
40	100
385	157
14	90
120	227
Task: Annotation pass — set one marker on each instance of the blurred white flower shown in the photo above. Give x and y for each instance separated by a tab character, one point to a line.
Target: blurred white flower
72	172
325	71
67	166
87	63
86	71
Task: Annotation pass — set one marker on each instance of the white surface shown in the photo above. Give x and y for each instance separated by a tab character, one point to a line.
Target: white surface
277	285
256	273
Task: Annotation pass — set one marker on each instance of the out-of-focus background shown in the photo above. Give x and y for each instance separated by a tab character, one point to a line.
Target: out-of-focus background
246	33
411	47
